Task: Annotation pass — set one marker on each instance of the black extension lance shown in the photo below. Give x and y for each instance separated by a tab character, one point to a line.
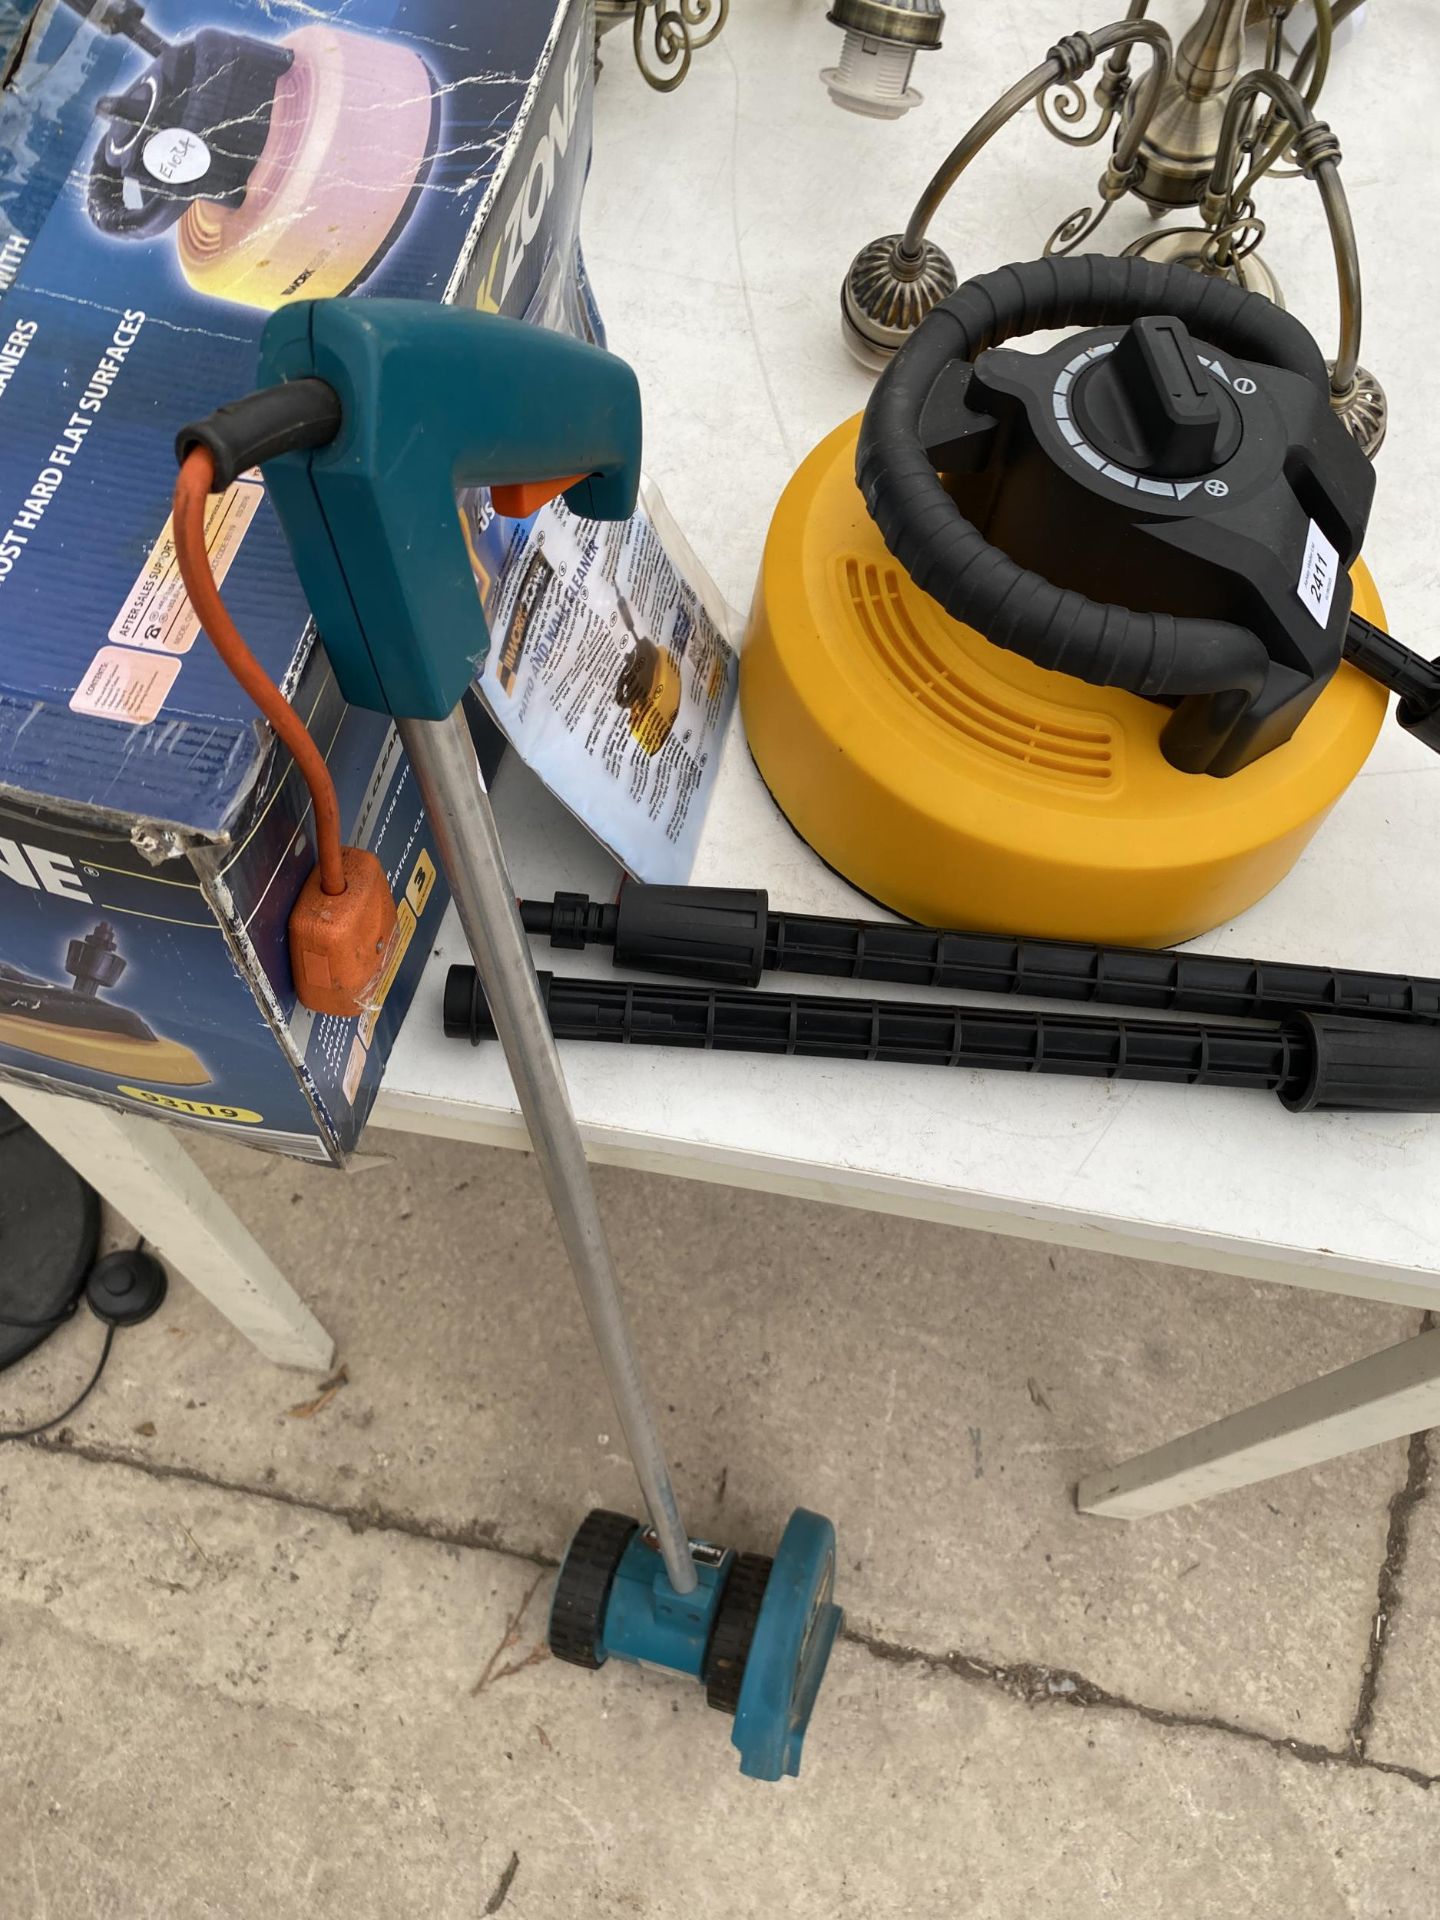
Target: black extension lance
1319	1037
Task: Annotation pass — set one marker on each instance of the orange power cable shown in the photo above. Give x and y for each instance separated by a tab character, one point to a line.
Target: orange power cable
192	489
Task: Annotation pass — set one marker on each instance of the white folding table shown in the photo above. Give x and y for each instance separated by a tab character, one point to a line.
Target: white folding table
719	223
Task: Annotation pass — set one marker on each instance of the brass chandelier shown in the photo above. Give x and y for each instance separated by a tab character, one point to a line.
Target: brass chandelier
1197	131
664	33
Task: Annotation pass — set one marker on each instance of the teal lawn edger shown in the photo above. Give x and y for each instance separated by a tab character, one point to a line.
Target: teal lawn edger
368	417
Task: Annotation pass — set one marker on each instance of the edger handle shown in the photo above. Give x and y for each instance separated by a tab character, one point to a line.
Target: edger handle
432	399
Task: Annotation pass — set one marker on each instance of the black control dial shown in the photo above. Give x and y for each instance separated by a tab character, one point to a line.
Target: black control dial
1153	406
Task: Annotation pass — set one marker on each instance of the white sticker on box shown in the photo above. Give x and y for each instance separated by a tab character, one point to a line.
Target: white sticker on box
354	1068
122	685
157	613
176	155
1318	573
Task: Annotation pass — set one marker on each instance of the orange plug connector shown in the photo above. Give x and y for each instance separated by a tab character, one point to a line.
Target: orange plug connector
343	923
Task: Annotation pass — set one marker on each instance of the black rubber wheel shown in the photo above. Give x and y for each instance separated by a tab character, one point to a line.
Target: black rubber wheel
734	1629
587	1573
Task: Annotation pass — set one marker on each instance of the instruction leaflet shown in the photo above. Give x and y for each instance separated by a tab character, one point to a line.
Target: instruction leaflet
610	671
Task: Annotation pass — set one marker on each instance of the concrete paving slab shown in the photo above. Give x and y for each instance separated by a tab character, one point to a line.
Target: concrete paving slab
218	1703
937	1392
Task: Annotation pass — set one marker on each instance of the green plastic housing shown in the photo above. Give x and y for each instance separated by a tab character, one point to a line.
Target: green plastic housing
433	399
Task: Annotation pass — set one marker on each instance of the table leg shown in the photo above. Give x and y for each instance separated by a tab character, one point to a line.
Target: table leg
1383	1397
142	1170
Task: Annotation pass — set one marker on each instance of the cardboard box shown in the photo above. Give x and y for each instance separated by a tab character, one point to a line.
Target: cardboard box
152	835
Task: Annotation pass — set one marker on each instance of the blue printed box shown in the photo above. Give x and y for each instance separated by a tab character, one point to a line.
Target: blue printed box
168	176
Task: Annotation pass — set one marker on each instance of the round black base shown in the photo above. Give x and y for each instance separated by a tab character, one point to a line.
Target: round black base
125	1288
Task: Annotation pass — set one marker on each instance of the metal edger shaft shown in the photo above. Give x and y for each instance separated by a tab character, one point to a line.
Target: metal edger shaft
470	851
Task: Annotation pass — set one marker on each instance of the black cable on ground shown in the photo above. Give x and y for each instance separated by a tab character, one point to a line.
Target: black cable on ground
123	1289
29	1433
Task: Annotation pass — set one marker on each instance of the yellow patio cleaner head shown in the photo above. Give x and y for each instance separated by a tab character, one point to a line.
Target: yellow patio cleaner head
73	1023
1051	643
281	165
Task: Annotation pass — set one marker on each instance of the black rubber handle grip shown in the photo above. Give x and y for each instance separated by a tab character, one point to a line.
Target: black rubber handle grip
1154	655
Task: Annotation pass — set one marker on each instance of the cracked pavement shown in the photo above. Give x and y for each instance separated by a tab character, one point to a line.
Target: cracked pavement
264	1663
262	1660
